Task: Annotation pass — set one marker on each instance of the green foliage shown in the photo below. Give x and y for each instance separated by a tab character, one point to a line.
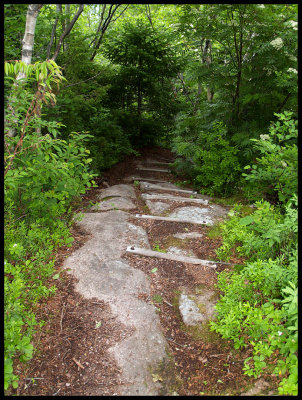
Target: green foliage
259	303
157	247
263	234
277	168
145	61
44	176
214	162
110	142
14	23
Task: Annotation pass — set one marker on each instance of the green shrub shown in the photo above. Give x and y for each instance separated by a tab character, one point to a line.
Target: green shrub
44	176
277	168
209	158
258	307
264	233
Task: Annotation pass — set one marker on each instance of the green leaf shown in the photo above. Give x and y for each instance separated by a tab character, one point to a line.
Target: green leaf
153	270
246	220
15	384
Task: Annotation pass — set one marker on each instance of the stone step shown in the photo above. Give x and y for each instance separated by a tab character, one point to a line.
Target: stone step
138	178
142	168
173	198
150	186
168	256
157	162
169	219
165	159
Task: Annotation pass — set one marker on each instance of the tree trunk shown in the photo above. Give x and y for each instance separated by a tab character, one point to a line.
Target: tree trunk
238	48
29	35
67	12
207	58
27	49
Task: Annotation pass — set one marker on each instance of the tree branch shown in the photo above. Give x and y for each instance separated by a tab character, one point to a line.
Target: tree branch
67	31
148	13
100	25
120	13
105	26
58	10
180	76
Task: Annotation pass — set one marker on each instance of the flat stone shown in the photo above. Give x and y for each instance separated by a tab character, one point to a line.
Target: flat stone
141	168
102	274
121	190
218	211
207	303
169	219
188	235
144	349
138	178
179	252
189	311
116	276
156	196
120	203
169	187
196	309
157	207
111	233
193	213
258	387
162	184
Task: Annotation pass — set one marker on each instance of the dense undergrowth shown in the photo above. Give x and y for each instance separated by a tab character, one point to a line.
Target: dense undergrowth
259	304
44	178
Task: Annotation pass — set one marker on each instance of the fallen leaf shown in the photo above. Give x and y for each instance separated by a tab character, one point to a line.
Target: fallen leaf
156	377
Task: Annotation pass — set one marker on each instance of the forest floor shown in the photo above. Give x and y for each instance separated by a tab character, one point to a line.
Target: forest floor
72	358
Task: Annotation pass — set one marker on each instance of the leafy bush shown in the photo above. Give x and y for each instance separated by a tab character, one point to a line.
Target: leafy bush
215	165
258	307
44	176
110	140
277	169
263	234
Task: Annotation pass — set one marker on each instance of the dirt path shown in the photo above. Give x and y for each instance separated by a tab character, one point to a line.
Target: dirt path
131	322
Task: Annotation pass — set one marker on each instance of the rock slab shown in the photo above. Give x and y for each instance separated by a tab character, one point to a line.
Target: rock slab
121	190
193	213
120	203
196	309
157	207
188	235
102	274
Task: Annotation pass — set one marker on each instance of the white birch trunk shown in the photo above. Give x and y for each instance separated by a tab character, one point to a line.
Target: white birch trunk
29	35
27	49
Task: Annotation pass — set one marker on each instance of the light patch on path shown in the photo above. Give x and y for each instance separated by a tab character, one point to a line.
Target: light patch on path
121	190
157	207
120	203
194	214
103	274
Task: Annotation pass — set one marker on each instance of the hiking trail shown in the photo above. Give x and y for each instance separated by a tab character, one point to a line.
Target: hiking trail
146	273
